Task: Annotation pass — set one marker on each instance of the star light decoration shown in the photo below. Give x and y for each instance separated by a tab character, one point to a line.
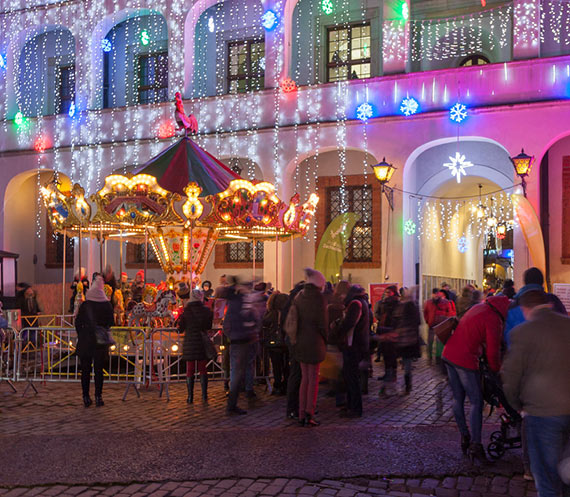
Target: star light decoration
462	244
409	106
269	20
410	227
458	165
364	111
327	7
458	113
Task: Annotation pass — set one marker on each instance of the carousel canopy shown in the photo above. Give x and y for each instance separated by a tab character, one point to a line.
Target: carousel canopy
185	162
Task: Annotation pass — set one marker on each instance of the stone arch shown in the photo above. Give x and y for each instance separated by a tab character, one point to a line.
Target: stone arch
22	212
491	163
99	33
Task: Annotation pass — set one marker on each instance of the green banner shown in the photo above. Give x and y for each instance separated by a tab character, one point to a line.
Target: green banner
332	248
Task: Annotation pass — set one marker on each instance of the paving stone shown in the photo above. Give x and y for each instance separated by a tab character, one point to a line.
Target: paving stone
446	492
429	483
308	490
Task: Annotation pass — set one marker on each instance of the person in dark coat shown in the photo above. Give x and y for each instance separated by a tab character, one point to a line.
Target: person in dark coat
95	311
479	333
384	314
408	333
294	379
310	341
194	322
274	341
355	330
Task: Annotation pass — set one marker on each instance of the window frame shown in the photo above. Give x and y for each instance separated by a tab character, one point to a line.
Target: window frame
323	214
156	87
249	75
350	62
221	258
59	87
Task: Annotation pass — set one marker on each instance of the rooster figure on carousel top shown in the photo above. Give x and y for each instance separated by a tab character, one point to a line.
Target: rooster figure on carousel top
188	123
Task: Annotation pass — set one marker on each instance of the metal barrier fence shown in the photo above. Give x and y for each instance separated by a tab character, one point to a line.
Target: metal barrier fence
140	356
8	357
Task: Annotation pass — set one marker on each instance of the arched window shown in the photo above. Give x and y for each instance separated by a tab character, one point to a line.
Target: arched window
135	62
474	60
46	75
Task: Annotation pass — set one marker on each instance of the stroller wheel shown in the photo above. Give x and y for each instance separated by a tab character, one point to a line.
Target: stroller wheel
495	450
496	436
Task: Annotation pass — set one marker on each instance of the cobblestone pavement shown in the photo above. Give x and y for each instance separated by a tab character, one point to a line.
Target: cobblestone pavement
460	486
51	439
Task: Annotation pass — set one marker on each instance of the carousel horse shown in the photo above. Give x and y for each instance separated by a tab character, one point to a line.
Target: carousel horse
144	314
118	307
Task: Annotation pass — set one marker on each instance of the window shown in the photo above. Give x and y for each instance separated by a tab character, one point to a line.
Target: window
243	252
474	60
135	256
246	66
363	196
153	78
66	88
348	52
54	248
358	200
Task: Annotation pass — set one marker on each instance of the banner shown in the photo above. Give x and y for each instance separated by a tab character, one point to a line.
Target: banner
330	254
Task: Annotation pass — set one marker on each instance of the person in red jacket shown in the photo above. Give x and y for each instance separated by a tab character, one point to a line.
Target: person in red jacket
479	332
436	310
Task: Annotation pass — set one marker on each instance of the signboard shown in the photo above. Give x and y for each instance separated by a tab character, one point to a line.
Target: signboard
562	291
376	291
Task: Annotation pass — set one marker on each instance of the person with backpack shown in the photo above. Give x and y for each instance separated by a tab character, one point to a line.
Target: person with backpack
478	334
353	340
96	311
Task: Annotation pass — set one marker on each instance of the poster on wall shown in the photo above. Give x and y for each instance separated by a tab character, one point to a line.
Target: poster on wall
376	291
562	291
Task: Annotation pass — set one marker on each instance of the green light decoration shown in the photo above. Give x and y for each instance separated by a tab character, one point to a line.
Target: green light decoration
19	118
410	227
405	11
145	37
327	7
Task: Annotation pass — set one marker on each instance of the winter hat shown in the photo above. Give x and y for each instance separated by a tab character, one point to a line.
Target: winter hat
534	276
314	277
140	273
97	291
197	296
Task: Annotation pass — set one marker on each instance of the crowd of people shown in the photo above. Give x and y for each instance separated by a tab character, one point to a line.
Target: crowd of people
319	331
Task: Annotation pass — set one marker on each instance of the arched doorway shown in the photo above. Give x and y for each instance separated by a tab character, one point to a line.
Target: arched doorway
455	237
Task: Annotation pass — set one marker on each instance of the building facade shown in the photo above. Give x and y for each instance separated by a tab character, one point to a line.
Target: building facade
307	94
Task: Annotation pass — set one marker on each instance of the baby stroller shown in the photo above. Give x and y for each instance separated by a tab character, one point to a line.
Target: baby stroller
509	435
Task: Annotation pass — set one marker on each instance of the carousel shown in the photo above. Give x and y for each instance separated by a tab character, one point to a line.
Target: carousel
182	203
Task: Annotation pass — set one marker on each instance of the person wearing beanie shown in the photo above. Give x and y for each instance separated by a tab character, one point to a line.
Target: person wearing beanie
137	287
95	311
533	280
194	322
309	339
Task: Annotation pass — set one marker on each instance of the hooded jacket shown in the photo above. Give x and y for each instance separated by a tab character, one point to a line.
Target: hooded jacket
479	332
515	315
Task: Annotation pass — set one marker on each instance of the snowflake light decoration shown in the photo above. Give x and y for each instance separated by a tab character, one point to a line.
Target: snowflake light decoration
458	165
2	61
106	45
269	20
463	244
458	113
327	7
72	109
211	25
410	227
145	37
364	111
409	106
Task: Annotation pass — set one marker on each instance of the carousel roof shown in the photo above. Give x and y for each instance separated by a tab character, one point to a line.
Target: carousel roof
185	162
